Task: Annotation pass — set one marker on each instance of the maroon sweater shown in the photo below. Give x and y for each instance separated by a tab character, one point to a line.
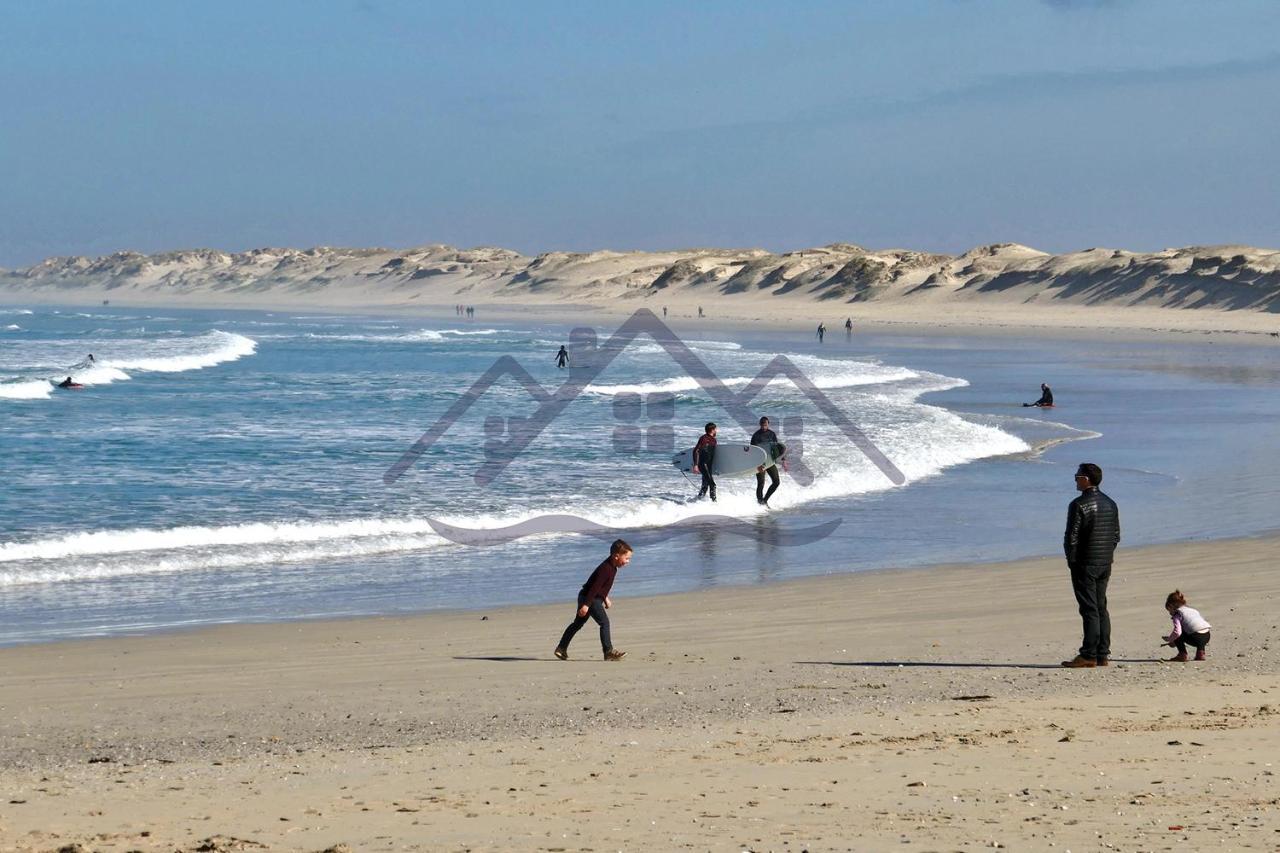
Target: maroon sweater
600	582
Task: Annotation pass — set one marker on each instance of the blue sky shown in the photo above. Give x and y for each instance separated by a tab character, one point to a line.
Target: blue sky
632	125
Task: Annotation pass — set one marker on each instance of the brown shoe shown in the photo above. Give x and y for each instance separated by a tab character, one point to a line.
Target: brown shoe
1103	662
1180	657
614	654
1079	662
561	653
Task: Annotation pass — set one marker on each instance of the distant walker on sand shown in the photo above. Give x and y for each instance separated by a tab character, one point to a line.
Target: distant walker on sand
1090	540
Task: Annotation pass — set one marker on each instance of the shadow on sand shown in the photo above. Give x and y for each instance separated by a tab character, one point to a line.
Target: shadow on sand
497	658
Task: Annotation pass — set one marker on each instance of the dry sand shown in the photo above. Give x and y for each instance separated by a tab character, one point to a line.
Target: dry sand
917	709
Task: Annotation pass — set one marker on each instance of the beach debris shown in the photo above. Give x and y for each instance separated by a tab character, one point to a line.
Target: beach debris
1175	743
1177	827
1065	739
226	844
101	759
979	697
916	785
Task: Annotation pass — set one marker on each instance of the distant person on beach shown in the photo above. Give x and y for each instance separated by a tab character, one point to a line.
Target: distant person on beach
1046	398
562	358
699	310
822	331
768	439
1189	628
848	326
704	455
664	312
593	601
1090	540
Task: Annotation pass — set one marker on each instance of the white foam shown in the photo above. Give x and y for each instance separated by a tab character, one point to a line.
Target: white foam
38	389
176	355
415	336
851	376
13	327
19	311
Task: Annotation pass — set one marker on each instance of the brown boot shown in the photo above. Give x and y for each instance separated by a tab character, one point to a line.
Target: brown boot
561	652
1200	654
1180	657
1079	662
1103	662
614	654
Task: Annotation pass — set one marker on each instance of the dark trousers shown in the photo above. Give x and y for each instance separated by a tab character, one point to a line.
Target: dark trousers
595	611
1195	641
761	495
1090	585
708	482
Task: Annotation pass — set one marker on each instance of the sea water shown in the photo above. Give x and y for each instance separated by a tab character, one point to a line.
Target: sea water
232	466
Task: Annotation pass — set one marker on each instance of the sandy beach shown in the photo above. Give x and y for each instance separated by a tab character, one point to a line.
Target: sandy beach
869	711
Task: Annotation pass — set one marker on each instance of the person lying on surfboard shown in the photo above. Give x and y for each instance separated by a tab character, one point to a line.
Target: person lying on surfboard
1046	398
67	383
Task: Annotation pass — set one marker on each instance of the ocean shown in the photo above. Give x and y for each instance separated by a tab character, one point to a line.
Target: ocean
222	466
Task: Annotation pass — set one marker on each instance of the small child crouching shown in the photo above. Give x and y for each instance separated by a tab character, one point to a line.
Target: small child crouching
1189	628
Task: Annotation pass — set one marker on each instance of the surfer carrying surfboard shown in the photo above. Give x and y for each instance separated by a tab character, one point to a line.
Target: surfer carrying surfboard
704	454
768	439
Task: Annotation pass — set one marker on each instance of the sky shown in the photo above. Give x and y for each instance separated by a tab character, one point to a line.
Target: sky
603	124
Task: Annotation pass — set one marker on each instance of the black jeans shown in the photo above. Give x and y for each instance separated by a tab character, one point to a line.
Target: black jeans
761	495
595	611
1090	585
708	482
1195	641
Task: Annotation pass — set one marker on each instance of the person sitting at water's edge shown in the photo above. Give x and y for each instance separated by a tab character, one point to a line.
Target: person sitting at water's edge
1046	398
768	439
704	454
593	601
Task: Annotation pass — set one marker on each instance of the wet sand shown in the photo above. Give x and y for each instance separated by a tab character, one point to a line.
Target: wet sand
868	711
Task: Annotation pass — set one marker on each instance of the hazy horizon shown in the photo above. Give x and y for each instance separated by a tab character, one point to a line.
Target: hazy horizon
1061	125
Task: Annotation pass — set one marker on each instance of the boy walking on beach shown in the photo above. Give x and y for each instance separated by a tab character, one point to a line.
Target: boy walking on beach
593	601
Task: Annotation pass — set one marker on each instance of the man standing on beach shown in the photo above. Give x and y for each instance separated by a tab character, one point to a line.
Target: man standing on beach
1093	532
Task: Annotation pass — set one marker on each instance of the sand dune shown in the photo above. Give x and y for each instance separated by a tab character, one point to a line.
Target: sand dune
1221	278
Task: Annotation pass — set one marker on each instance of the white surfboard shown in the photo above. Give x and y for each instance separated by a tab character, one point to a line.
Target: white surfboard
730	459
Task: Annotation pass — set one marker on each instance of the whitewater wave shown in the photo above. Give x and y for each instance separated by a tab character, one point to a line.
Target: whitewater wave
174	356
38	389
415	336
19	311
851	377
13	327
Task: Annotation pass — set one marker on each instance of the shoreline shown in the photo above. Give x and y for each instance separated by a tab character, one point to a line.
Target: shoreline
783	696
738	313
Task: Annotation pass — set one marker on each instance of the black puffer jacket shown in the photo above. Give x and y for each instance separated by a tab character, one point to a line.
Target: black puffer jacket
1093	530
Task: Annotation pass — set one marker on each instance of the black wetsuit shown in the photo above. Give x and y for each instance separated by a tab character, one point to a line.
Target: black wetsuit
704	456
1046	398
767	439
562	358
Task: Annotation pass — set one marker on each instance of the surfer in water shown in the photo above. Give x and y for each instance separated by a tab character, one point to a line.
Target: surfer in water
768	439
822	331
562	358
704	454
848	326
67	383
1046	398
